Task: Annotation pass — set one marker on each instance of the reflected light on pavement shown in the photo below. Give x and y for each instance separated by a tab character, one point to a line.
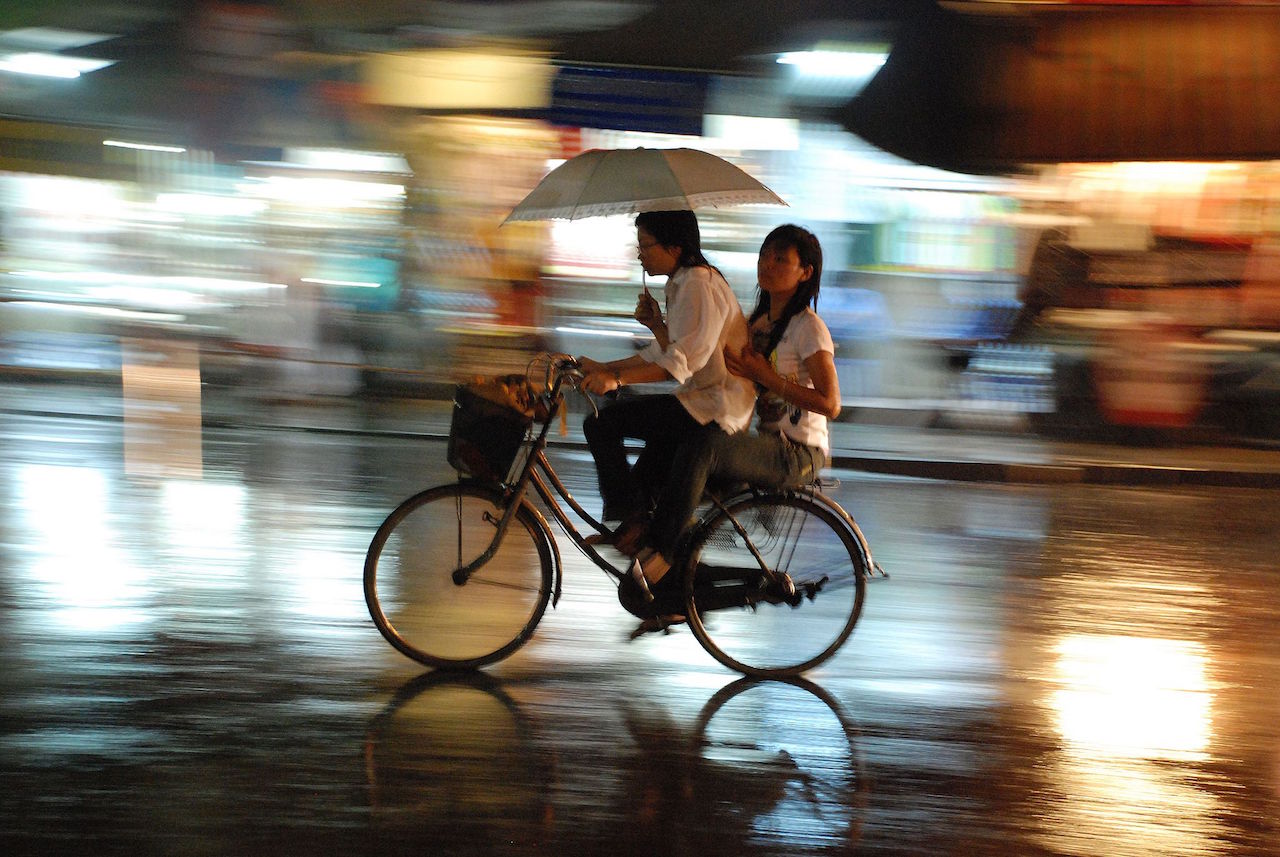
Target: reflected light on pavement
325	588
1126	707
81	575
203	522
1132	697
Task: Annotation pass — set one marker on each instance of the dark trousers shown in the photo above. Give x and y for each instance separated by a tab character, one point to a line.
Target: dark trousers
768	461
662	423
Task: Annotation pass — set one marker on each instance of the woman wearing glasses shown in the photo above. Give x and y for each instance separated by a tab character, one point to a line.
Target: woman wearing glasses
703	320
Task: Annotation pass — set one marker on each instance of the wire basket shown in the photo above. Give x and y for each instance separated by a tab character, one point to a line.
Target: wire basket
484	436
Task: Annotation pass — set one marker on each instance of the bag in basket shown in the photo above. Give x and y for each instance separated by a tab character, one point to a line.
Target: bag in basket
489	424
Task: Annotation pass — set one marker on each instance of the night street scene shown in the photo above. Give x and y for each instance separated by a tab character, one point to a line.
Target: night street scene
303	548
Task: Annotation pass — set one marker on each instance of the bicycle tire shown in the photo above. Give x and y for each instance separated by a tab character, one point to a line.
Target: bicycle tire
752	626
409	586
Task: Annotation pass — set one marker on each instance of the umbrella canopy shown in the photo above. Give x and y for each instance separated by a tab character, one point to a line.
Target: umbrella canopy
626	181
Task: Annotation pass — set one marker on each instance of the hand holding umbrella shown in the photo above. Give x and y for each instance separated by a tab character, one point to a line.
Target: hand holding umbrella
649	314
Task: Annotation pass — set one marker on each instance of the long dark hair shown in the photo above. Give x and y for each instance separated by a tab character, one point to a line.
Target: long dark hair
676	229
810	253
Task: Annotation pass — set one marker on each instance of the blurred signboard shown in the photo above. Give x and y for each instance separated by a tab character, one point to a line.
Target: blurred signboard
629	99
458	80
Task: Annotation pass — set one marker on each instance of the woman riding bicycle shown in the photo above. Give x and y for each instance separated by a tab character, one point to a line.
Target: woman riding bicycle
790	360
703	322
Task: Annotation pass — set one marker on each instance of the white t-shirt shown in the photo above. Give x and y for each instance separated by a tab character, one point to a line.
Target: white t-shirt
806	335
703	316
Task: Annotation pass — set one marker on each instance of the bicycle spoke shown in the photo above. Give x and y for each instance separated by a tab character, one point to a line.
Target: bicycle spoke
755	624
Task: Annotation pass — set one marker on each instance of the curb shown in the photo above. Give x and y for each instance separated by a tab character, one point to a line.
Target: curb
1118	474
1134	475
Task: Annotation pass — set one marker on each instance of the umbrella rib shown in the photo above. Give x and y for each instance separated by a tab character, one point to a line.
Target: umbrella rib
675	180
591	175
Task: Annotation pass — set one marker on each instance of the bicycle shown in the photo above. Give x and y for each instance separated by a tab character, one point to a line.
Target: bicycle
459	575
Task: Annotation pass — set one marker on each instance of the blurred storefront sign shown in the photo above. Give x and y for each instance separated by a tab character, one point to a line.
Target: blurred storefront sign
629	99
458	80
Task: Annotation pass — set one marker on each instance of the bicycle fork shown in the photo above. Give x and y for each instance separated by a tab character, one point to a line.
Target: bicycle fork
463	574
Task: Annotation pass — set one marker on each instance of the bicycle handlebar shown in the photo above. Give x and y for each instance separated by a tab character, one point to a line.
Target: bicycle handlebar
564	369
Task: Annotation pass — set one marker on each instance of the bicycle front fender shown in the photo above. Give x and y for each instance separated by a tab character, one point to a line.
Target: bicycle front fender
557	563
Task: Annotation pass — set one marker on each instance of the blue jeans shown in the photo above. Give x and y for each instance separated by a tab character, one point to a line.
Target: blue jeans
766	460
663	424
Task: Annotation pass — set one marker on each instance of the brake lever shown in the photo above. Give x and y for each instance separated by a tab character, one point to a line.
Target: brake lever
570	371
594	409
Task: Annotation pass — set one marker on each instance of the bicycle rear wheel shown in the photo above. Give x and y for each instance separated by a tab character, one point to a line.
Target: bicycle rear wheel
759	628
409	585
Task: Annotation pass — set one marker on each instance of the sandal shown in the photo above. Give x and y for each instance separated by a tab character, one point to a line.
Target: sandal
630	536
627	537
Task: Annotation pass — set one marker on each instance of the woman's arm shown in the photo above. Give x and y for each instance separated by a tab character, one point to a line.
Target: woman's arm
602	378
822	398
698	312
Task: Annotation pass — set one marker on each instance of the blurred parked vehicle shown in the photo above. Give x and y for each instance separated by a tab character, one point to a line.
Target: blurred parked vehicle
1175	336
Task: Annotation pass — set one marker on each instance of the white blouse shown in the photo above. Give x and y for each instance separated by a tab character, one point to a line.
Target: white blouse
703	316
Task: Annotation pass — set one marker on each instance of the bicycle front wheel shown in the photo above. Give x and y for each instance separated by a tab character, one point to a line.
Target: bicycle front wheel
761	627
409	583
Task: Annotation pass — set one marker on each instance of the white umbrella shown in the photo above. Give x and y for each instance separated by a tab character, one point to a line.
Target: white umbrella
625	181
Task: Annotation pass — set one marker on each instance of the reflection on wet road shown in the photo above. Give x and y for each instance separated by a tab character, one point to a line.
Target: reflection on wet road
188	667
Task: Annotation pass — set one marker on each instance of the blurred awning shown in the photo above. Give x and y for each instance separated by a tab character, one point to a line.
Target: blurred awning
993	92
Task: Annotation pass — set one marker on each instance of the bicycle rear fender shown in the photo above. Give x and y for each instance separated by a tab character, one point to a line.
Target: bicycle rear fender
863	545
817	496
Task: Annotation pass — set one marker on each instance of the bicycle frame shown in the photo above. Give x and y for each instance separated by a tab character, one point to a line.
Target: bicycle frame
538	471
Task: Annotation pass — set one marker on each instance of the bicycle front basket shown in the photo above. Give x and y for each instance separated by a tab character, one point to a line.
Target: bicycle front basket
484	435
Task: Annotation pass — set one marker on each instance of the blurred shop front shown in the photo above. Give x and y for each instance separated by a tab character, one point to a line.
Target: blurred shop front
1155	288
249	261
375	260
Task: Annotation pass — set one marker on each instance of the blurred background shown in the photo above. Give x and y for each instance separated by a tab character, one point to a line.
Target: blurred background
1060	217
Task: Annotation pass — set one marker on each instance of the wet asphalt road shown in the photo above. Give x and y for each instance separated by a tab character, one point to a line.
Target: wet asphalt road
187	667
